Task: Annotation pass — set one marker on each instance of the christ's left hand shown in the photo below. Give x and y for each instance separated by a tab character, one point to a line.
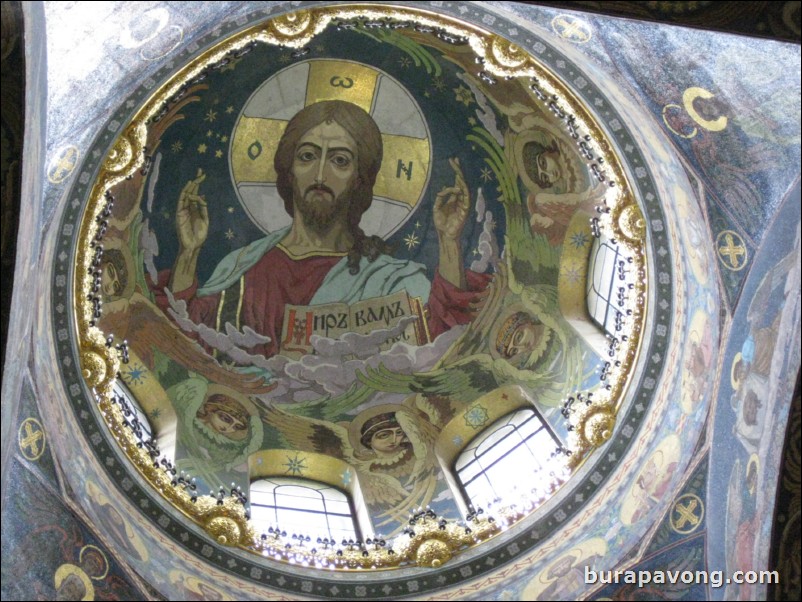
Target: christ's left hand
452	205
451	208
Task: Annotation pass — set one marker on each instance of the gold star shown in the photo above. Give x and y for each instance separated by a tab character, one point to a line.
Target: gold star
218	153
411	241
231	210
223	138
210	116
230	109
472	120
201	148
209	133
229	234
177	146
463	95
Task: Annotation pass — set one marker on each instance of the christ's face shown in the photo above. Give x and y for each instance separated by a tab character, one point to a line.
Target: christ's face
324	171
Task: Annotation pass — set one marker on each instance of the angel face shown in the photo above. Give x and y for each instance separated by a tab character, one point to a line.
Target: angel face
110	281
383	434
113	274
523	339
548	169
225	415
518	337
389	440
542	163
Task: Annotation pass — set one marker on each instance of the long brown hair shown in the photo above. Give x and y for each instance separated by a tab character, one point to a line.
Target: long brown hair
369	149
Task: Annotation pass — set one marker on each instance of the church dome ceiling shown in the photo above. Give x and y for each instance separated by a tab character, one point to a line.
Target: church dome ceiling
348	289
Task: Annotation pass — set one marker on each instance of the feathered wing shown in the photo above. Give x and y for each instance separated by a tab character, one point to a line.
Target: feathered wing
477	332
309	434
527	255
465	379
146	329
331	408
407	501
421	435
331	439
422	480
380	489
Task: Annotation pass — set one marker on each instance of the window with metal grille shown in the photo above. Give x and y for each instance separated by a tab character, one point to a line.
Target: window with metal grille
608	280
302	506
133	413
515	455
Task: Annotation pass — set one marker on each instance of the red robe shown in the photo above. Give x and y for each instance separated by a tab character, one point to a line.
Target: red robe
277	280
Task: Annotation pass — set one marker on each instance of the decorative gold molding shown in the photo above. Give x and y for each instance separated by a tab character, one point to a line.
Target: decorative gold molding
224	518
470	422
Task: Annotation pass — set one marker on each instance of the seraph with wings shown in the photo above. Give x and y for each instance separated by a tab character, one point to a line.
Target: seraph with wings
390	446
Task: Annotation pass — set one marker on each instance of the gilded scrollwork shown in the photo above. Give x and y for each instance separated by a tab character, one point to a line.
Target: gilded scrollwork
430	541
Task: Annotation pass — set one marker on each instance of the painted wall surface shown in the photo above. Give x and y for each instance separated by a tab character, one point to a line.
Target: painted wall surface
687	483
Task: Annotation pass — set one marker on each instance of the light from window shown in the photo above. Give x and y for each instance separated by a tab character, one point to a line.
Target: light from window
302	507
609	278
133	414
514	457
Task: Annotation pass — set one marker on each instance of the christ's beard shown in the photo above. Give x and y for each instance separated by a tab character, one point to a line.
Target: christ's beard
321	216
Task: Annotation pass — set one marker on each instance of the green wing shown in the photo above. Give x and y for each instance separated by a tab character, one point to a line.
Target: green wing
530	257
465	380
332	408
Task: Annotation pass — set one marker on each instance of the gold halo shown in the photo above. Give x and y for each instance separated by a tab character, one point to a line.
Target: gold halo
503	315
65	570
595	546
215	389
102	555
257	132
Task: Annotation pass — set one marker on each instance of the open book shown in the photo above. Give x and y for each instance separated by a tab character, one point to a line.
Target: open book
332	320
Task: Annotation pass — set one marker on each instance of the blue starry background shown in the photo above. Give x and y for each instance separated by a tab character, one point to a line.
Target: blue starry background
202	139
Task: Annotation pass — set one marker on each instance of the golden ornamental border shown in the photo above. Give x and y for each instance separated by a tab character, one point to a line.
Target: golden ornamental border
429	541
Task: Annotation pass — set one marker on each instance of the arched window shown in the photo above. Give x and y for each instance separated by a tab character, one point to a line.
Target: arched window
514	455
608	278
302	506
133	414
